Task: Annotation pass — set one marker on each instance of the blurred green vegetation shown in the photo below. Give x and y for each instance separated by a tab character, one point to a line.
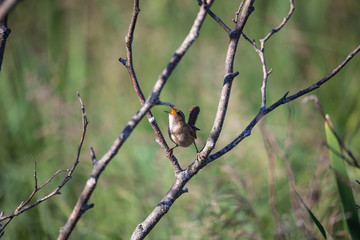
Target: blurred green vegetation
59	47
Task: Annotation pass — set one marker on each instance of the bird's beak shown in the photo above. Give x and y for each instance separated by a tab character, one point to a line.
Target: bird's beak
172	111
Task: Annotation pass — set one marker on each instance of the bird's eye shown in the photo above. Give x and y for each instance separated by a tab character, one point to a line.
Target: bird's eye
180	114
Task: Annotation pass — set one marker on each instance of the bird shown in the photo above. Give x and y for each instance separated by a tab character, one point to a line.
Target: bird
181	133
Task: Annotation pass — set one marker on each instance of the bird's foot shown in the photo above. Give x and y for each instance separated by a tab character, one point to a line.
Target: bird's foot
170	152
198	156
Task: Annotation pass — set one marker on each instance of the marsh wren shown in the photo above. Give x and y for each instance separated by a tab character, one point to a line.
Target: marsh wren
181	133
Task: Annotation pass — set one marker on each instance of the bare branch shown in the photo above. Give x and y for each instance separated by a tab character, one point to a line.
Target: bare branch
183	177
93	156
281	25
24	206
84	124
128	63
261	51
100	166
6	7
281	101
217	19
318	84
229	75
238	12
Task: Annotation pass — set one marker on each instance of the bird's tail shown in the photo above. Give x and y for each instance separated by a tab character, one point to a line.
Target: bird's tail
193	115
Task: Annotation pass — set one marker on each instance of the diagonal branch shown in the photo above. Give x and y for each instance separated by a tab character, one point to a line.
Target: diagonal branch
217	19
283	100
99	166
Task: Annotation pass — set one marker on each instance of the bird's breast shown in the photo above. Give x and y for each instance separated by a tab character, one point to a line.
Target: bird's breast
181	135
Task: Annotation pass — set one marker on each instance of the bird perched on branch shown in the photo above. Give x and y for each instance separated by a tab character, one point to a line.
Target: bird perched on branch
181	133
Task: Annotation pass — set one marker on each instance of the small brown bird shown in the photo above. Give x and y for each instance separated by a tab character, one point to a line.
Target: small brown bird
181	133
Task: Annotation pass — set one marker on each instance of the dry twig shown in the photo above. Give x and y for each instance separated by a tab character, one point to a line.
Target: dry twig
128	63
283	100
24	206
352	161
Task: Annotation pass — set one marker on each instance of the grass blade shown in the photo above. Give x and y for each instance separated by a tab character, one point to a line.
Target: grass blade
313	217
346	194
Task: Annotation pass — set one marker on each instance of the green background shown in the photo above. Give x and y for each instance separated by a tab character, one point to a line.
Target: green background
57	48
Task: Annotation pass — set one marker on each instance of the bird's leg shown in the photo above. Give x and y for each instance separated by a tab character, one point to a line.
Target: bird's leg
198	154
170	152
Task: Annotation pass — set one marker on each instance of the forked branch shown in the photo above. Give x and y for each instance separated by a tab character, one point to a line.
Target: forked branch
24	206
283	100
183	177
100	165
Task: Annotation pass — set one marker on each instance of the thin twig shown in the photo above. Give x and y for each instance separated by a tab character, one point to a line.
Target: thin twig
353	162
128	63
238	12
261	51
93	156
346	181
283	100
24	206
281	25
217	19
35	176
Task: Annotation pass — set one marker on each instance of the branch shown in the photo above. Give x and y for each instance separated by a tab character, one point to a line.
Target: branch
99	166
261	51
229	76
182	178
24	206
128	63
216	18
281	101
5	7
